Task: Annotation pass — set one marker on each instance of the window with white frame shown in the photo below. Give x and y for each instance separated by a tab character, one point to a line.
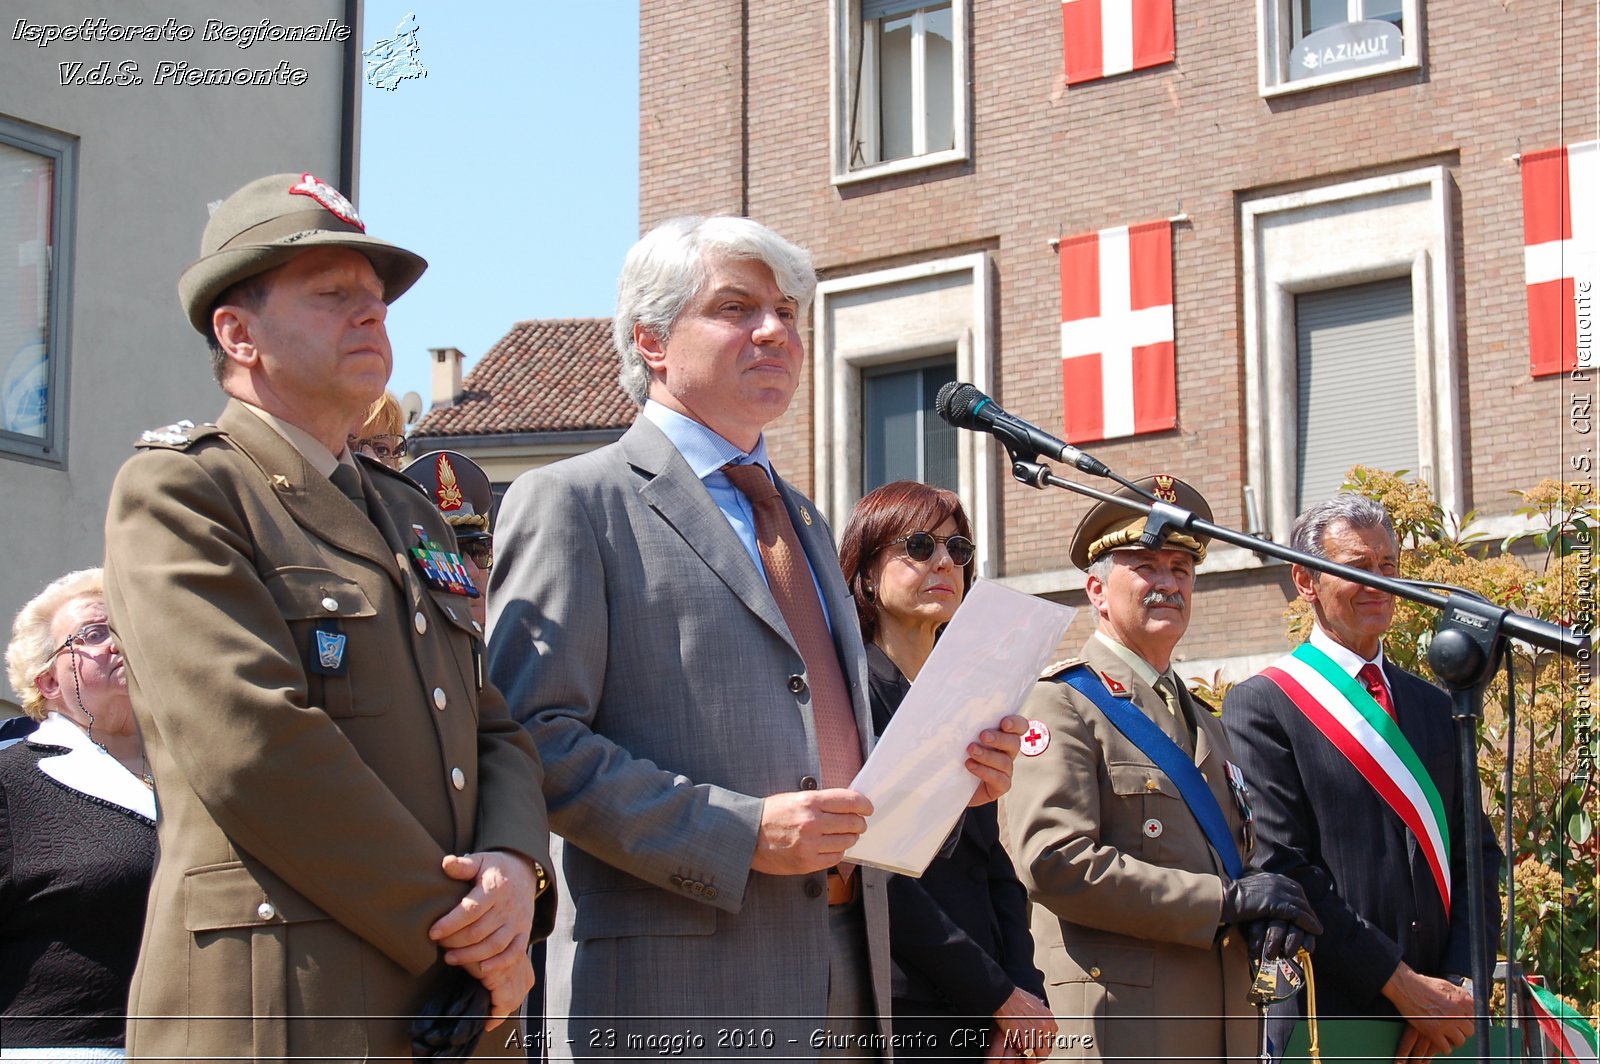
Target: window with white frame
899	85
902	437
1350	349
1305	43
885	342
1355	384
36	169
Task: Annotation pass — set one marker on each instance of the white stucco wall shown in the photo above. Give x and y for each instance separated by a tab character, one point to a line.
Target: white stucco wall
149	159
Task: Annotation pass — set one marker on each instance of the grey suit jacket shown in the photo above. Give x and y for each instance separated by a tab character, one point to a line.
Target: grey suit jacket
639	644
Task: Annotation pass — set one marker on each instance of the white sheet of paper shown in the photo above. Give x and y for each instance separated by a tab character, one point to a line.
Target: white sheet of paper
981	670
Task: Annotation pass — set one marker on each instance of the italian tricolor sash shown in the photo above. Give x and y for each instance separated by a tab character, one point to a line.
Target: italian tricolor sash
1564	1027
1341	709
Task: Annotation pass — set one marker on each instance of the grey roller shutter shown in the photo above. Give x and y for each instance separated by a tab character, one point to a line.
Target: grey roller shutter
1357	370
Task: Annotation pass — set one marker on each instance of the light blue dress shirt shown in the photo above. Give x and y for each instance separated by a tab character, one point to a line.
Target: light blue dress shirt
706	452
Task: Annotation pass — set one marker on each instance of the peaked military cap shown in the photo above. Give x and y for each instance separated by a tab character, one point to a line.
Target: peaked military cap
1109	526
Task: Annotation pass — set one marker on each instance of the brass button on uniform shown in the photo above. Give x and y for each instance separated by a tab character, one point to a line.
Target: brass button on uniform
1094	973
421	622
1151	785
439	699
458	779
266	910
330	604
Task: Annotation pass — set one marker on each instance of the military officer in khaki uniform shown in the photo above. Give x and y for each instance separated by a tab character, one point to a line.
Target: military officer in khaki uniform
1135	918
349	819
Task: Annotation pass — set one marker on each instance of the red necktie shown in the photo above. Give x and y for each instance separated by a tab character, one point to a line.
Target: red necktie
789	578
1371	678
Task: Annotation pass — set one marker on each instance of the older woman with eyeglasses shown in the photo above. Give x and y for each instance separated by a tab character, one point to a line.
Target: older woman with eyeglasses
383	434
963	978
77	833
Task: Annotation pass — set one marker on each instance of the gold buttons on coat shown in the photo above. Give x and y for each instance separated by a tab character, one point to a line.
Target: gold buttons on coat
439	699
1151	785
266	910
421	623
458	779
1094	973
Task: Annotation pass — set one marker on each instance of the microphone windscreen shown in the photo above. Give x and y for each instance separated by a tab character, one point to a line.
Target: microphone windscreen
955	403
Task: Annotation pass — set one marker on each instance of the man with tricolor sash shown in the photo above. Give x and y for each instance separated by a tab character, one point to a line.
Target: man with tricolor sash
1354	768
1131	824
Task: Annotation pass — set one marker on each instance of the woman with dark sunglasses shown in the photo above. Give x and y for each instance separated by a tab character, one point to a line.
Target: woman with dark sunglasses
962	958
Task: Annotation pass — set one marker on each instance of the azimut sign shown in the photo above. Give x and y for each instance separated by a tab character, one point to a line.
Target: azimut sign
1345	47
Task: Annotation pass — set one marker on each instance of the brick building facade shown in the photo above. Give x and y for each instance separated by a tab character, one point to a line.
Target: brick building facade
1403	170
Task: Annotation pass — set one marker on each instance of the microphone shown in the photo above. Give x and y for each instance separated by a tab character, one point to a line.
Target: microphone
965	407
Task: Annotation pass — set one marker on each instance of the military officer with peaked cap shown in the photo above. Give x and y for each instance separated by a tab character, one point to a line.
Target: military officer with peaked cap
1135	915
461	490
349	820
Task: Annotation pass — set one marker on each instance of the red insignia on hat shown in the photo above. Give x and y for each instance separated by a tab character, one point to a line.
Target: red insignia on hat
1164	489
449	493
1113	686
1036	740
331	199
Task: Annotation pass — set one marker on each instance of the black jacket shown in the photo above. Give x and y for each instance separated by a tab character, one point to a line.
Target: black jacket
958	937
1319	821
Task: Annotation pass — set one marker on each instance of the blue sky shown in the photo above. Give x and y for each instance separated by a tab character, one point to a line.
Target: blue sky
513	167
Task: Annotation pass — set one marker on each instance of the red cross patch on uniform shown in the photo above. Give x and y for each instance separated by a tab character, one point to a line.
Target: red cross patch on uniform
1036	740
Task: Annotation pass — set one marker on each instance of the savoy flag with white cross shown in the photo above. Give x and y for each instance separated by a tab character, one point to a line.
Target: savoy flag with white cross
1118	369
1106	37
1561	255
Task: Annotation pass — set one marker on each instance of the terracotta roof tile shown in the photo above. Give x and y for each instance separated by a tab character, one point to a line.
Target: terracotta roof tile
543	376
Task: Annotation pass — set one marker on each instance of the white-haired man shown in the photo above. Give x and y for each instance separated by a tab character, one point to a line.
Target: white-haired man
669	621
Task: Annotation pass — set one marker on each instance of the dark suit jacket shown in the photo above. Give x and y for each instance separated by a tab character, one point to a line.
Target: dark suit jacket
958	937
1319	821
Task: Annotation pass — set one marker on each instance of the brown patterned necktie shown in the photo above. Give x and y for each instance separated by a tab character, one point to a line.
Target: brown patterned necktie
789	578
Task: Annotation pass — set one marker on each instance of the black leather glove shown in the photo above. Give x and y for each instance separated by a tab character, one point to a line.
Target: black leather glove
1268	896
1271	939
452	1019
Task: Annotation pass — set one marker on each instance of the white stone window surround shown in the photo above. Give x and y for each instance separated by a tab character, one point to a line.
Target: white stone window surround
844	22
1274	36
903	314
1371	229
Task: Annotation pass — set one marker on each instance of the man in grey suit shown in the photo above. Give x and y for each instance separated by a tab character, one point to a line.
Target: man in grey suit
675	633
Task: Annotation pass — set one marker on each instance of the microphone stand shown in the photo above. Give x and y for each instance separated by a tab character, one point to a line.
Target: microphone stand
1466	647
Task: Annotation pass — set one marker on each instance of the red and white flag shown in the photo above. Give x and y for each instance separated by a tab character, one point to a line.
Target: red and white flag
1561	254
1105	37
1117	360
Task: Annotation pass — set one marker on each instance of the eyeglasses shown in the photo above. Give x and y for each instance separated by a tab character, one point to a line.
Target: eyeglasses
920	546
90	636
383	446
479	552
